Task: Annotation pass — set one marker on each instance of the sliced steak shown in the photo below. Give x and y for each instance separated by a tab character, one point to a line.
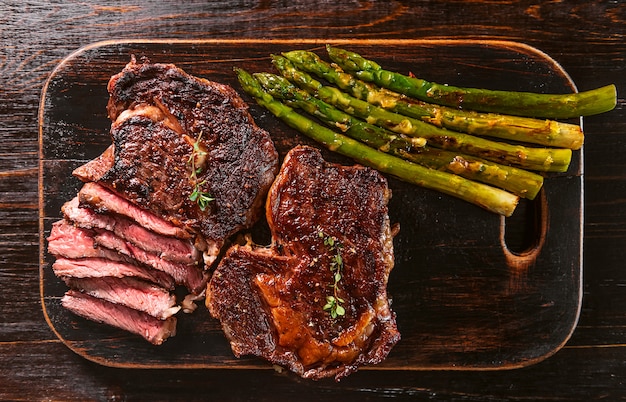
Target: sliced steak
106	201
130	292
152	329
69	241
166	247
177	140
271	302
173	132
95	168
189	275
101	267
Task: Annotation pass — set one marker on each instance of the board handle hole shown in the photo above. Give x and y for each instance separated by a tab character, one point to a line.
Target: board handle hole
522	234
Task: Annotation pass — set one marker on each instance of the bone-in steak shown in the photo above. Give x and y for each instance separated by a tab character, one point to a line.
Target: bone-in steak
272	301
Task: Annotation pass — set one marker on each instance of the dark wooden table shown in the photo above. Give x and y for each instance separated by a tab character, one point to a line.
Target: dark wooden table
586	37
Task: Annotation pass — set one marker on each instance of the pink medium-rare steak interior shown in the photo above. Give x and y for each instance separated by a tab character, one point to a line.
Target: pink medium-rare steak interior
152	329
130	292
167	247
106	268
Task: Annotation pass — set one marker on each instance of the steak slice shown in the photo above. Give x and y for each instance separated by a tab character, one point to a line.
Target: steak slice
173	133
69	241
166	247
104	201
101	267
189	275
271	302
130	292
152	329
95	168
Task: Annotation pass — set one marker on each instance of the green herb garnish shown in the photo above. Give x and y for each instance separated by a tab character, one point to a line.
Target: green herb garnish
203	198
333	302
195	162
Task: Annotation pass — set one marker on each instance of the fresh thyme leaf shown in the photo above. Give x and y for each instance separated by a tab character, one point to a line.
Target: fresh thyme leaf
331	306
339	310
202	198
194	196
334	307
333	303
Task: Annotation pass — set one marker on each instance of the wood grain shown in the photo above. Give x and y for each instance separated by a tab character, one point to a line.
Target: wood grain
585	37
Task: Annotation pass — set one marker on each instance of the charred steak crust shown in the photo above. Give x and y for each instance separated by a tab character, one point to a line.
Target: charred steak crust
158	112
135	229
270	300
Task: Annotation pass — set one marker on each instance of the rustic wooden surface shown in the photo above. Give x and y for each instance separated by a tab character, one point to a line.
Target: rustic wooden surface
586	38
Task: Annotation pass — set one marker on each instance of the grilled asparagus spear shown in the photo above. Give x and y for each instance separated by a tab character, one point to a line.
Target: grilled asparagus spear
550	133
490	198
530	158
557	106
518	181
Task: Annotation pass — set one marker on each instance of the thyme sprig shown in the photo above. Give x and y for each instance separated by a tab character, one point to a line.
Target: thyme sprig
195	162
333	302
203	198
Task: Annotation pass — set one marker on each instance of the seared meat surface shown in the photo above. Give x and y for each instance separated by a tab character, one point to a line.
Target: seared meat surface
174	133
271	302
136	227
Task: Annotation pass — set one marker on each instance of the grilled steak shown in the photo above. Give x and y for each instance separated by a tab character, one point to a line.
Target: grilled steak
188	275
104	201
174	134
152	329
274	302
96	168
177	140
130	292
73	242
101	268
69	241
168	248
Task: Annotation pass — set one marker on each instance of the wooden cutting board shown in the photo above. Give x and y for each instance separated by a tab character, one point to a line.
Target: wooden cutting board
471	290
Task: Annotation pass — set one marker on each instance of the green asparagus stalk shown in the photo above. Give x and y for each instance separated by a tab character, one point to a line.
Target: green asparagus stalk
523	129
530	158
556	106
518	181
490	198
377	137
